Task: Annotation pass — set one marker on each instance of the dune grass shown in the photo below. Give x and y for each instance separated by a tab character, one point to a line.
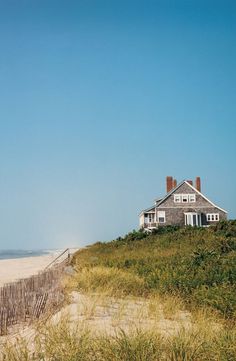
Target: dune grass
112	281
197	265
163	274
61	342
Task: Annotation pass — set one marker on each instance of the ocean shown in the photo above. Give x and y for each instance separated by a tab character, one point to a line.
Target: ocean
19	253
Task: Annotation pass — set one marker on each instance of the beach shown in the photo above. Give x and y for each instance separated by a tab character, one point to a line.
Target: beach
14	269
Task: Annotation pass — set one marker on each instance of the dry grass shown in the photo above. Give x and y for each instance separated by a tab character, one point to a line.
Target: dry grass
112	281
61	342
123	307
197	264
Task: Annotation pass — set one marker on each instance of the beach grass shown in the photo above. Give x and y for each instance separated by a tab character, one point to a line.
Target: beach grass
167	296
61	342
194	265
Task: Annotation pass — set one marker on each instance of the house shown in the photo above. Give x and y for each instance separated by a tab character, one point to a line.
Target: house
184	204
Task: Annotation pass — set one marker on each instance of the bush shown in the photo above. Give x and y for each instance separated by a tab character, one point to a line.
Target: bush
195	263
220	297
226	228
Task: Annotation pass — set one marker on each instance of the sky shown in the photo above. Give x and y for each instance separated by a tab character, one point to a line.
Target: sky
100	100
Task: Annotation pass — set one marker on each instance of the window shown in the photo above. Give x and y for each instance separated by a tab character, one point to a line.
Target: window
177	198
193	219
185	198
149	217
192	198
213	217
161	216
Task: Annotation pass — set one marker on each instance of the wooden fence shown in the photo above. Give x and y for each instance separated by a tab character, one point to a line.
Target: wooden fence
27	299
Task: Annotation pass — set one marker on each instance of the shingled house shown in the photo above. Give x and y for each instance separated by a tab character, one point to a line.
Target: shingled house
184	204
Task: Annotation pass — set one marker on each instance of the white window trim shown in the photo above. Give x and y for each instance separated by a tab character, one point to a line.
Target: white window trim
188	219
213	217
195	191
190	198
161	214
177	198
193	196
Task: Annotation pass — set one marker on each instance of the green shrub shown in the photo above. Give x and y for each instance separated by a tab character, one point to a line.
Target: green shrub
195	263
220	297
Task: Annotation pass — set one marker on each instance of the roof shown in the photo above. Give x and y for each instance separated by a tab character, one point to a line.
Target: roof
158	200
195	189
148	210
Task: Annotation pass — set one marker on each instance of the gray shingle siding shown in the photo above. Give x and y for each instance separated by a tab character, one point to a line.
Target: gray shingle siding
175	216
175	211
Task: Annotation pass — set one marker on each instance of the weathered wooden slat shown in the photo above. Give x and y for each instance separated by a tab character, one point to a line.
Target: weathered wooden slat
29	298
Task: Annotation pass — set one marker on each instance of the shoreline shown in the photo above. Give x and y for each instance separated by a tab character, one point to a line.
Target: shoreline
14	269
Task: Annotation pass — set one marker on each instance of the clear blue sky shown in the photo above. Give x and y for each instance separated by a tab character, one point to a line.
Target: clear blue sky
99	101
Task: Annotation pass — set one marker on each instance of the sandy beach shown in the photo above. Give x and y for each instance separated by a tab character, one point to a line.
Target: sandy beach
13	269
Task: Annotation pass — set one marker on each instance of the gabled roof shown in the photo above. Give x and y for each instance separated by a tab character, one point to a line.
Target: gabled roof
170	192
148	210
179	185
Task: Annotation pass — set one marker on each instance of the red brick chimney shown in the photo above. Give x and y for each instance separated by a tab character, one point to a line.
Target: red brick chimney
190	182
198	184
174	183
169	183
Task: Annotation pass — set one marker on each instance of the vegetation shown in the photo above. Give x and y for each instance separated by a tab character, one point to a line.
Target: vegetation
196	264
60	342
152	277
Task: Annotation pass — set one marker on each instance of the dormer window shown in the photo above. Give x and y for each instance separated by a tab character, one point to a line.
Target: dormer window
192	198
185	198
177	198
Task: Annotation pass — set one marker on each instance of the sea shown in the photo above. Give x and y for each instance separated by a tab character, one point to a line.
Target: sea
20	253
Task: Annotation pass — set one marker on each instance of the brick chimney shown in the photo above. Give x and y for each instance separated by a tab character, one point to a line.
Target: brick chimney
198	184
174	183
169	183
190	182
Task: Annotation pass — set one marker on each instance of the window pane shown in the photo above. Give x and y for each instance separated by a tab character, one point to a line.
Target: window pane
199	220
161	216
177	198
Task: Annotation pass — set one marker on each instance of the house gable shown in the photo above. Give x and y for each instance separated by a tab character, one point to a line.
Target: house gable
183	205
185	188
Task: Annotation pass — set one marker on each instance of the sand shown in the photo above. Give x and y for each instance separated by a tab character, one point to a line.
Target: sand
107	315
13	269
